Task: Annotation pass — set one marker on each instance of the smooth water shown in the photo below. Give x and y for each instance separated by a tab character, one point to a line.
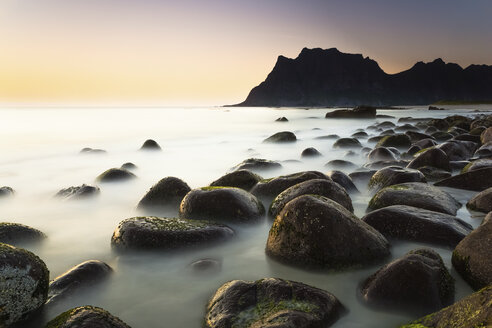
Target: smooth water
40	155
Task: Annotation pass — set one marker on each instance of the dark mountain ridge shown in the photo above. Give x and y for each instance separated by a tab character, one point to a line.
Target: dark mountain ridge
319	77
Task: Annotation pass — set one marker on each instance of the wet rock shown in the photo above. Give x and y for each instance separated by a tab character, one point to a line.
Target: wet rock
343	180
282	119
484	151
24	281
224	204
150	144
435	108
86	317
320	187
434	157
442	136
92	151
360	134
472	311
347	143
257	165
413	150
396	140
314	231
362	177
481	202
310	152
165	194
415	194
206	266
458	150
485	121
128	166
153	233
392	175
486	136
477	131
476	165
406	127
279	137
417	282
6	191
387	132
471	258
416	224
16	234
357	112
375	139
476	180
82	276
417	136
467	137
340	164
386	125
384	116
425	143
115	175
458	165
381	154
271	303
434	174
79	192
243	179
328	137
430	130
382	164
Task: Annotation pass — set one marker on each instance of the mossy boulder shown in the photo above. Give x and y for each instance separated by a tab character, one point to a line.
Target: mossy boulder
473	311
431	157
281	137
222	204
310	152
82	276
416	194
425	143
392	175
476	180
6	191
271	303
486	136
343	180
18	234
484	151
115	175
478	164
321	187
24	281
441	136
399	140
458	150
471	258
347	143
482	201
243	179
150	144
78	192
153	233
416	224
316	232
381	154
257	165
417	282
166	194
86	317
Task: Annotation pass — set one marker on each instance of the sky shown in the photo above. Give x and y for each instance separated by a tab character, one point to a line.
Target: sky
212	52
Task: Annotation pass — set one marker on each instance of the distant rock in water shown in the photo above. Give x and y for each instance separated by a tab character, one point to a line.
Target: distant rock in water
329	77
128	166
6	191
285	136
16	233
115	175
88	150
150	144
257	164
357	112
78	192
282	119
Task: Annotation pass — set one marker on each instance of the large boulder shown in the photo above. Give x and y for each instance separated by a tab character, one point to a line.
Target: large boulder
152	233
418	281
478	164
482	201
471	258
243	179
458	150
472	311
484	151
347	143
24	281
321	187
86	317
257	165
357	112
343	180
81	276
78	192
486	136
417	136
434	157
417	224
314	231
432	173
397	140
392	175
416	194
381	154
284	136
165	194
115	175
476	180
18	234
271	303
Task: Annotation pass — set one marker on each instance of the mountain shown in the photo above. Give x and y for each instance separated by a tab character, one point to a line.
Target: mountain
328	77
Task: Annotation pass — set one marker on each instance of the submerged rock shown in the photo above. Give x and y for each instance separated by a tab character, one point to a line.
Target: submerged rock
310	152
381	154
91	151
79	192
271	303
165	194
347	143
476	180
150	144
206	266
86	317
343	180
6	191
340	164
392	175
257	165
481	202
16	233
282	119
128	166
396	140
243	179
115	175
284	136
434	157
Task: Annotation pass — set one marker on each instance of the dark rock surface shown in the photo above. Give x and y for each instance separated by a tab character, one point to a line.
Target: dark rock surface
243	179
340	164
396	140
165	194
310	152
431	157
392	175
481	202
150	144
86	317
357	112
257	165
78	192
6	191
381	154
458	150
343	180
284	136
476	180
16	234
347	143
115	175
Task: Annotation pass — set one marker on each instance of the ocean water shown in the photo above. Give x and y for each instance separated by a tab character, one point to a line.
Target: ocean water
40	154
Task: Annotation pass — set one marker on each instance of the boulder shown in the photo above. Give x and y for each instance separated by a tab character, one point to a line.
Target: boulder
328	137
442	136
282	119
271	303
392	175
425	143
18	234
223	204
476	180
396	140
406	127
153	233
243	179
434	174
257	165
115	175
434	157
417	194
458	150
165	194
484	151
467	137
482	201
128	166
478	164
417	282
347	143
381	154
404	222
6	191
86	317
382	164
78	192
24	281
150	144
417	136
310	152
360	134
92	151
375	139
343	180
486	136
317	232
362	177
340	164
284	136
357	112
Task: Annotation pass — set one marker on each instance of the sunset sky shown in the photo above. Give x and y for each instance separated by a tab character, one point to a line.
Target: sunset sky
211	52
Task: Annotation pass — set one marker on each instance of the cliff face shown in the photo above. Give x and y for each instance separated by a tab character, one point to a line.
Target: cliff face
329	77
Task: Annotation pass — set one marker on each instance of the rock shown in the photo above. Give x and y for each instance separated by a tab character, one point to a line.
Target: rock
6	191
431	129
384	116
257	165
86	317
271	303
382	164
268	189
458	165
343	180
458	150
375	139
79	192
243	179
92	151
350	153
282	119
417	224
24	281
412	151
471	258
128	166
481	202
165	194
417	136
415	194
386	125
314	231
357	112
434	157
361	134
442	136
206	266
310	152
396	140
417	282
387	132
347	143
434	174
362	177
329	136
467	137
478	130
484	151
485	121
425	143
115	175
381	154
153	233
284	136
436	108
476	180
406	127
82	276
486	136
340	164
16	233
392	175
320	187
472	311
478	164
224	204
150	144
